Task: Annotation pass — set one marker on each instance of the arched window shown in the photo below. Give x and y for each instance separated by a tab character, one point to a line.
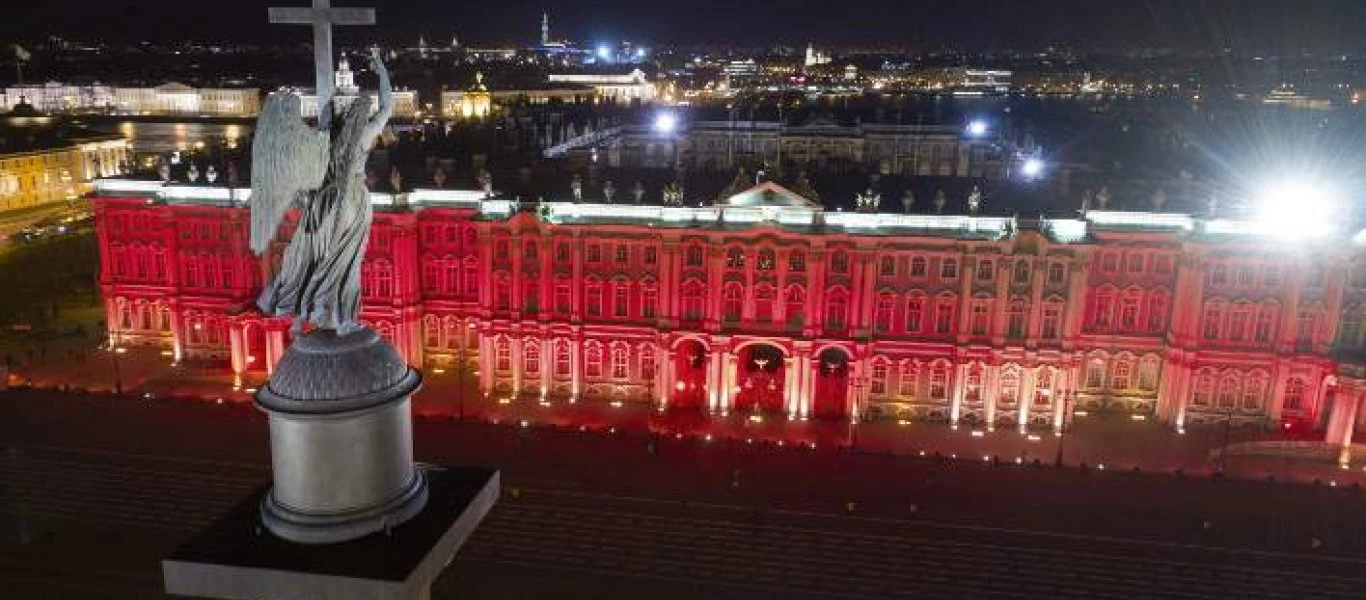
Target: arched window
1043	387
1147	374
694	300
502	292
763	303
431	332
945	308
915	314
471	283
882	319
592	293
981	316
939	382
1057	273
1294	394
1240	322
733	298
531	294
1103	309
431	275
563	362
887	267
1213	320
795	305
694	256
502	354
564	297
621	361
647	362
878	380
839	262
1095	374
972	386
1128	310
1119	379
621	298
1021	271
452	332
984	270
1266	320
735	258
948	269
766	260
531	356
796	262
1010	387
592	359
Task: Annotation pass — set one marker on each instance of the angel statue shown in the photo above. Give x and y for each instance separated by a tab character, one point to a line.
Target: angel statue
322	173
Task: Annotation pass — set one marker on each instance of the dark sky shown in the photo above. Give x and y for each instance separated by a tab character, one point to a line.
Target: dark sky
1287	26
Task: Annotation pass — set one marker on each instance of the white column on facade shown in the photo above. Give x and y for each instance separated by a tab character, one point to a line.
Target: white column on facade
790	391
809	387
957	390
516	344
486	364
728	381
576	367
1341	423
1028	381
713	381
547	365
664	377
990	390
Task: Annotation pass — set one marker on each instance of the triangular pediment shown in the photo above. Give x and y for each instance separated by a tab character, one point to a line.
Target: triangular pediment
770	194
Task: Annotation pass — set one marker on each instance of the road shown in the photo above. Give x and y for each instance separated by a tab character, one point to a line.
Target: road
95	490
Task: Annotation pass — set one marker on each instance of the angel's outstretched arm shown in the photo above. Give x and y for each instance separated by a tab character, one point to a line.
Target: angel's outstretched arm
386	97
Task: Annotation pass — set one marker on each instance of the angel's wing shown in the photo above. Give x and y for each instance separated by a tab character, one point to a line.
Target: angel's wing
287	158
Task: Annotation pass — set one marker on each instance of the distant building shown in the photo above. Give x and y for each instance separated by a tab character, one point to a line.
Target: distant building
622	87
42	160
473	103
405	101
168	99
985	80
814	58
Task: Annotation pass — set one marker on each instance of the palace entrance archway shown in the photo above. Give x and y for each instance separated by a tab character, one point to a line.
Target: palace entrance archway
760	376
690	376
832	384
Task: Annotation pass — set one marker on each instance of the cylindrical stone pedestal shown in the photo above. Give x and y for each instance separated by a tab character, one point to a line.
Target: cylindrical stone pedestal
341	439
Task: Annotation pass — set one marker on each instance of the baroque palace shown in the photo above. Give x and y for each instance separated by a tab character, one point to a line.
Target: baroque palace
765	302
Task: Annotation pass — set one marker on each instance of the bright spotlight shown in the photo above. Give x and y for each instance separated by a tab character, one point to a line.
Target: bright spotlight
1032	168
1296	209
666	122
604	52
977	128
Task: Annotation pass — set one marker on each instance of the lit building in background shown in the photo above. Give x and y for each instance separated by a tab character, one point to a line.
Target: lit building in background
621	87
405	101
766	303
43	162
167	99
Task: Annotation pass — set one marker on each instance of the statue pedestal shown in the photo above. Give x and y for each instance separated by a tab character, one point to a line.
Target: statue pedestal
348	515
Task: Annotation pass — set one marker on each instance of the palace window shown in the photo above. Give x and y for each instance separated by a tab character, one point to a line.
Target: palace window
529	251
906	380
1043	388
984	270
592	360
1214	314
1266	316
1021	271
1238	321
733	301
1109	262
593	298
1294	394
502	354
948	269
1015	319
1052	320
1245	276
623	254
531	356
1095	374
1218	275
1128	312
431	276
1119	380
972	387
562	252
564	295
647	363
918	267
594	253
531	296
621	361
1010	388
694	300
563	362
766	260
915	313
796	262
694	256
795	305
1157	313
839	263
500	250
651	255
1056	273
471	279
1252	392
735	258
1304	326
943	315
1229	391
882	320
887	267
1204	390
1104	309
1135	262
621	299
878	381
939	383
502	293
981	314
836	310
649	300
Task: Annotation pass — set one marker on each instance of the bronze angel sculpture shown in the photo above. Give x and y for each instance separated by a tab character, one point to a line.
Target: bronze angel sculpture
322	173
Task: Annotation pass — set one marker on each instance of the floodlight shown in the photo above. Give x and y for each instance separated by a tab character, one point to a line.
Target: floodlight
666	122
1032	168
977	128
1296	208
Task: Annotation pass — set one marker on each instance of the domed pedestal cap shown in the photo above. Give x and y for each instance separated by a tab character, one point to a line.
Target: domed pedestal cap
323	372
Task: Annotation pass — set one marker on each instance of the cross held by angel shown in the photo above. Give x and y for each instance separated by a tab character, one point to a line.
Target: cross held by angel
321	172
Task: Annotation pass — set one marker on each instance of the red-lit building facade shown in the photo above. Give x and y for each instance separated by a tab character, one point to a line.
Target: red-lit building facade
766	303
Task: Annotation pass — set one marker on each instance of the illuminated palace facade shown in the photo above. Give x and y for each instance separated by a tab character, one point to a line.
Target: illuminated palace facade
765	302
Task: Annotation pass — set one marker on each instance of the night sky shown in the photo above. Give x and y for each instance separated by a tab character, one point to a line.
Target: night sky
1274	26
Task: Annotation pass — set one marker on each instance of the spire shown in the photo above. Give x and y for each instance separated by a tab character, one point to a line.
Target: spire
545	28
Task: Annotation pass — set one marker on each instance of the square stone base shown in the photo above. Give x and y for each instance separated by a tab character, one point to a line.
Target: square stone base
238	558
